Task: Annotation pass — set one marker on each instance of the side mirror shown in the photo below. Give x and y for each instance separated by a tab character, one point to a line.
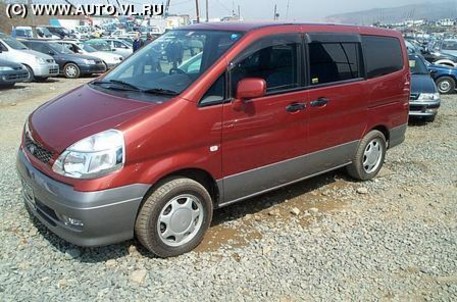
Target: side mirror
52	53
249	88
113	49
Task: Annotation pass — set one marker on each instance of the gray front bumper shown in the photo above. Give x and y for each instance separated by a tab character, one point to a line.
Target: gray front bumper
424	108
108	216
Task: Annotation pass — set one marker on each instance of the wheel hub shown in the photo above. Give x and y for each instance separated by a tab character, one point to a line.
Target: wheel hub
181	220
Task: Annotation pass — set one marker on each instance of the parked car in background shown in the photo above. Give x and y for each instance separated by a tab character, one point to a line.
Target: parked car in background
433	56
11	73
447	46
445	77
40	66
109	59
100	45
425	98
24	32
71	65
59	31
120	46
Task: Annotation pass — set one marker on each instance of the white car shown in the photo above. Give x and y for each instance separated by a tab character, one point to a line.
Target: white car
110	59
121	47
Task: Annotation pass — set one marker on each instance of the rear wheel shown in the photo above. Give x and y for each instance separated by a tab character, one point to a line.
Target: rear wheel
445	85
369	157
71	70
174	218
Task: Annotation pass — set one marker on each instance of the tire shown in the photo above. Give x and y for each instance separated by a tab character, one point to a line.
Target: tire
71	71
7	86
430	119
41	79
31	77
369	157
445	85
174	218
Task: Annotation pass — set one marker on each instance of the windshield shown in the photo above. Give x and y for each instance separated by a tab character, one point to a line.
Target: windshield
44	31
99	45
60	48
417	66
87	48
449	45
174	61
13	43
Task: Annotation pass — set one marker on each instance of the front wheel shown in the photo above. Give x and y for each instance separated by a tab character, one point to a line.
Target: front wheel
445	85
71	70
174	218
369	157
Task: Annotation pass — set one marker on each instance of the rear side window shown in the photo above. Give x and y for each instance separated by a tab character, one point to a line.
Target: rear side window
332	62
383	55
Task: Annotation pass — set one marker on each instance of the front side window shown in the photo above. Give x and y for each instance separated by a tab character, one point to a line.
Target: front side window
274	59
171	63
332	62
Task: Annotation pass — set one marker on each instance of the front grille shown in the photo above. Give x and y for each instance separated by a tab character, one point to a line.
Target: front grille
53	70
414	96
37	150
16	76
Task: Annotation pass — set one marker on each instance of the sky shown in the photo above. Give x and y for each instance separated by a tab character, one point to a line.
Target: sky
299	10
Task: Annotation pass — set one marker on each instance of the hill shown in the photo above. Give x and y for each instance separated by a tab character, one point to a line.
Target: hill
428	11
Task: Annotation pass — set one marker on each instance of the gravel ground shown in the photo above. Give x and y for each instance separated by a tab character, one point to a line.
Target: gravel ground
328	239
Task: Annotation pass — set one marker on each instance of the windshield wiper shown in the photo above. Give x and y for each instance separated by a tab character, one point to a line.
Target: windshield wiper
161	91
129	86
125	84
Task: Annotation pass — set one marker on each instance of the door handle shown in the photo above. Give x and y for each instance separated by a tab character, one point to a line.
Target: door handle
294	107
319	102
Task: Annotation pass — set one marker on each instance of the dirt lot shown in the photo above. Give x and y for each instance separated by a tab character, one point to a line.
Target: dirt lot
328	238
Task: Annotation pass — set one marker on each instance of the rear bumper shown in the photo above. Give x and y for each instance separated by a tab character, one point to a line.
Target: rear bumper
107	216
424	108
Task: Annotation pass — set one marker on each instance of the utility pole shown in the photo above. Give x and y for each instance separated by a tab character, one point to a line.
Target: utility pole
276	15
207	14
287	11
198	12
34	33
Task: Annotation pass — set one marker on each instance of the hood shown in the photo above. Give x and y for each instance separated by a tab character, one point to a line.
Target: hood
10	64
80	113
422	83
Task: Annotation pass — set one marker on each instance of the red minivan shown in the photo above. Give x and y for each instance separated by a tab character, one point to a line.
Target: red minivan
208	115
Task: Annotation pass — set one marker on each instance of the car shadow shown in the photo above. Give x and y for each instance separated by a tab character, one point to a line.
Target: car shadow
226	214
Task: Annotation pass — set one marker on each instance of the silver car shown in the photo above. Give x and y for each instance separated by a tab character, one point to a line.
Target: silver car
40	66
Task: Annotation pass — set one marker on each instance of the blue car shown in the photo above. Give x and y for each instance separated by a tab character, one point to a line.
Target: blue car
445	77
424	99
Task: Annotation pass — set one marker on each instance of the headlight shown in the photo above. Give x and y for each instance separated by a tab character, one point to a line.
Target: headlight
88	62
94	156
40	60
429	97
5	68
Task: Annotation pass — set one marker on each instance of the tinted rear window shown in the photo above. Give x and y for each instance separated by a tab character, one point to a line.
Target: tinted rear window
383	55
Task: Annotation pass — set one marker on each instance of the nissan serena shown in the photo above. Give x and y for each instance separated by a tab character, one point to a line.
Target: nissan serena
149	150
